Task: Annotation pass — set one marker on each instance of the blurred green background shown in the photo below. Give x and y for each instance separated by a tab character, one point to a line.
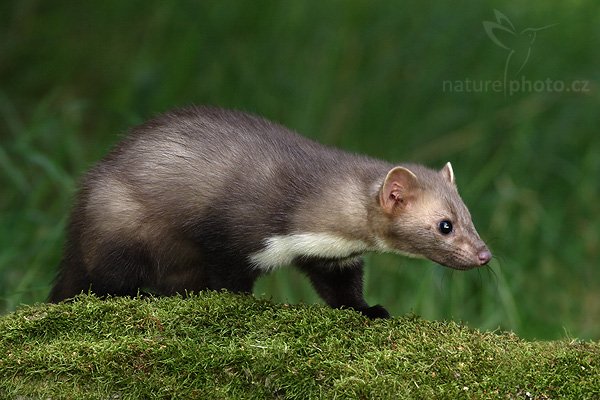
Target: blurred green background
382	78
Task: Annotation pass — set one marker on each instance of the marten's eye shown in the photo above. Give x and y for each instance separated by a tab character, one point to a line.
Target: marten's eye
445	227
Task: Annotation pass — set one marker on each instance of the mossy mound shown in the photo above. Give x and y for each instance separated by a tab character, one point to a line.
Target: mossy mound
219	345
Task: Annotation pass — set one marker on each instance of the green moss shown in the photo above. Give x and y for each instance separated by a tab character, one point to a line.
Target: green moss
218	345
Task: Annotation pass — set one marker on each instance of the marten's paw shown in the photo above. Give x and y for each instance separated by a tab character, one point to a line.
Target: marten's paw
376	311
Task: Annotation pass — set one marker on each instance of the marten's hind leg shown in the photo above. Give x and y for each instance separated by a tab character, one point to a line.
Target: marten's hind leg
121	270
70	281
116	270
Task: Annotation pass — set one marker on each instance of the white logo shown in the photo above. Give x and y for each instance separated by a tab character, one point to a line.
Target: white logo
518	44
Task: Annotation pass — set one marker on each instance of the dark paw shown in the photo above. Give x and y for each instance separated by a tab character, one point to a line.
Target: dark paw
376	311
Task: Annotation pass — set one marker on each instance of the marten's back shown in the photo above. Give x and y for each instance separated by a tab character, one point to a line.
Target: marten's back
195	154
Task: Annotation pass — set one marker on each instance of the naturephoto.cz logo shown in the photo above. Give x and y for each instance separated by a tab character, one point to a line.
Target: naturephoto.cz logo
518	45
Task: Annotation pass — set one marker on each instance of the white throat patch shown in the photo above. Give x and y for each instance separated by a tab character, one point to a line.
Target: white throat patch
283	249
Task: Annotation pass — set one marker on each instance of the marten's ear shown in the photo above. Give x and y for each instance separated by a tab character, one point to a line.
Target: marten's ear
447	172
398	190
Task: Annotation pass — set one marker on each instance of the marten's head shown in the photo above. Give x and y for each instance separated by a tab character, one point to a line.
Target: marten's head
421	214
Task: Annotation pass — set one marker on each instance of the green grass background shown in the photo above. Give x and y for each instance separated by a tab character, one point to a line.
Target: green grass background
364	76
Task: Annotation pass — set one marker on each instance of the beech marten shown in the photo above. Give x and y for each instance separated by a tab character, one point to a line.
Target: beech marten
206	198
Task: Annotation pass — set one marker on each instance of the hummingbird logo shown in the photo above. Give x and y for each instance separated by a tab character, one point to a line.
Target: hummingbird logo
518	43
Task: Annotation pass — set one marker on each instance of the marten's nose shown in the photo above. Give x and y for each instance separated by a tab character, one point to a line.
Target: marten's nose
484	257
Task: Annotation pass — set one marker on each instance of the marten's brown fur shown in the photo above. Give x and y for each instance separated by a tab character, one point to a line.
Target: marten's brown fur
206	198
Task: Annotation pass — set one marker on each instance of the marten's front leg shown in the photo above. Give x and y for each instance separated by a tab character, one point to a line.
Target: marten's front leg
340	284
